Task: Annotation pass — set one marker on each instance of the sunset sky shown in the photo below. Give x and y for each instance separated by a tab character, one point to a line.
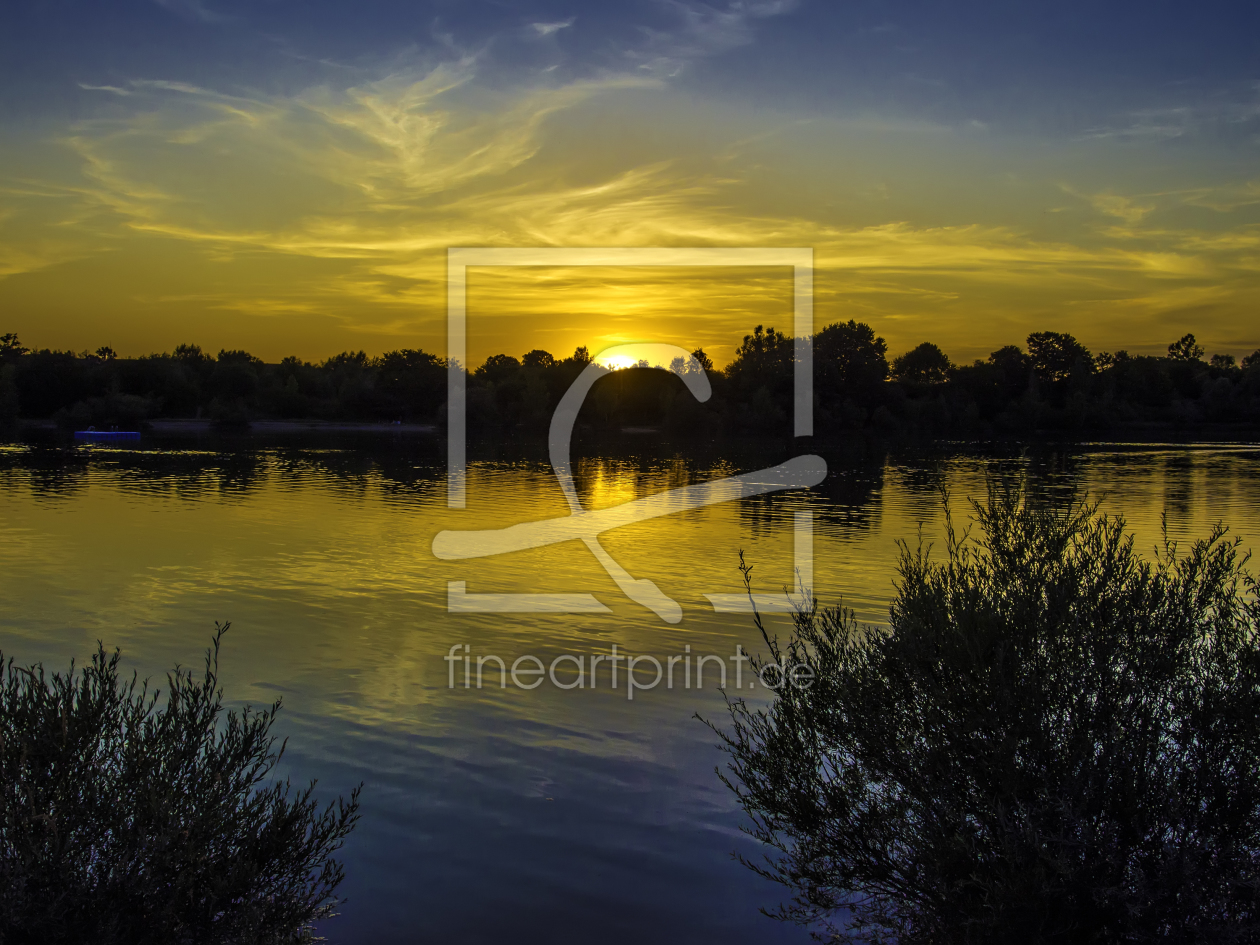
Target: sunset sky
286	177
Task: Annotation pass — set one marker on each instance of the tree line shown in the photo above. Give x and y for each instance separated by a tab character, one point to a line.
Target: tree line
1051	383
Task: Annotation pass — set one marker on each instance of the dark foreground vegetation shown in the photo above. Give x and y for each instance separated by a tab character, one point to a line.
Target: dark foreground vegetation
126	822
1054	740
1052	384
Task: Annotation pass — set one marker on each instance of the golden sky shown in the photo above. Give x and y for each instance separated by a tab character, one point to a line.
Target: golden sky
313	215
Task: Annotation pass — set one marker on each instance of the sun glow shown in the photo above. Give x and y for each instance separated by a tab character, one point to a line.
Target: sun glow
639	354
617	362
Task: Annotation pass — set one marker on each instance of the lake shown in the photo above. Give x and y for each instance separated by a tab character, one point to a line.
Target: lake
547	814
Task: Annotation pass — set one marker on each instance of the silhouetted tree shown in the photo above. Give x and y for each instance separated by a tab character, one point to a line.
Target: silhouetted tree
993	384
190	354
411	382
1054	740
925	364
762	352
850	361
1054	354
498	368
51	381
10	348
562	373
537	358
1142	383
1185	348
127	821
1014	366
9	403
1105	360
11	352
760	380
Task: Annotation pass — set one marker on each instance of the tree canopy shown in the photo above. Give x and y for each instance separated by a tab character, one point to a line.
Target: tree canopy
1185	348
925	364
1054	354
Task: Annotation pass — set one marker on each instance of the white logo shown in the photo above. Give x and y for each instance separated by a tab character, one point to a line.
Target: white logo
586	526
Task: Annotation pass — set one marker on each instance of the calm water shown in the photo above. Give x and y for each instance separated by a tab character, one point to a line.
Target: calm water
493	814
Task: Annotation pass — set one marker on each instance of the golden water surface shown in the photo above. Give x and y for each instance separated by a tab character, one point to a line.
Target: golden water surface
492	811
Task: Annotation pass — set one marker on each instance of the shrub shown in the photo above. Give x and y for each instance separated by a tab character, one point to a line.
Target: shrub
1054	740
126	821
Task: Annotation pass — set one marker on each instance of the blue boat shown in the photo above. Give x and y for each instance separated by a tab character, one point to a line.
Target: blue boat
106	436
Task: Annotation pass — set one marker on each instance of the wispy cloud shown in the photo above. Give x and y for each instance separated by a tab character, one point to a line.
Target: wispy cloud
550	29
701	31
1193	112
362	172
113	89
38	228
1128	209
1159	123
1228	198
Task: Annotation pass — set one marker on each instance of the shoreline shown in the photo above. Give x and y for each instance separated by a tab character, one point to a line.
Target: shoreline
1129	435
211	428
194	427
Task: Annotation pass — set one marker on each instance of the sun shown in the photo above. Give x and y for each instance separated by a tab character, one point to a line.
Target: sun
618	362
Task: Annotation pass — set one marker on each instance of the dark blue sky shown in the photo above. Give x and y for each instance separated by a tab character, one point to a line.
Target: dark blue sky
1066	66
